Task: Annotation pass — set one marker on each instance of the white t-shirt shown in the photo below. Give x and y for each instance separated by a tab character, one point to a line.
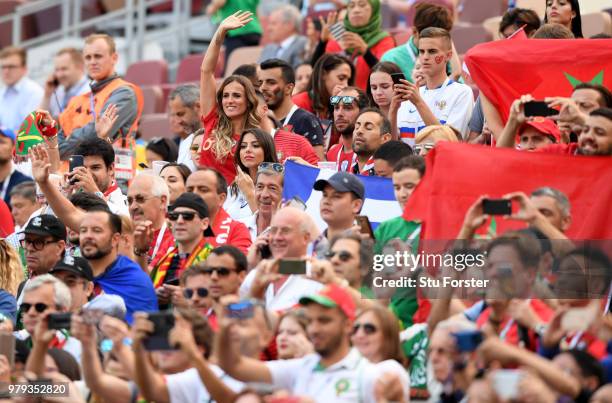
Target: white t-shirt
117	202
451	104
251	224
349	380
184	153
394	367
287	296
236	205
187	386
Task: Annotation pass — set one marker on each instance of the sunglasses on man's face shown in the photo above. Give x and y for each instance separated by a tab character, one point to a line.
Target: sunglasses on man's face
221	271
271	166
337	99
187	216
39	307
368	328
200	291
139	199
343	255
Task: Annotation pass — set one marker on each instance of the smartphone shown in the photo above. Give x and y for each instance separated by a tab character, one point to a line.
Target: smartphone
292	266
7	347
58	321
497	206
506	383
75	162
366	227
265	252
396	77
539	108
468	341
240	310
163	322
337	30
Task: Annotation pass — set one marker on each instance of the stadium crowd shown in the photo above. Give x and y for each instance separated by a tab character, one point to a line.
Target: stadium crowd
190	269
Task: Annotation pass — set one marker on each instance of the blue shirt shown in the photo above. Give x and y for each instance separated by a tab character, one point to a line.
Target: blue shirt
127	280
62	95
17	101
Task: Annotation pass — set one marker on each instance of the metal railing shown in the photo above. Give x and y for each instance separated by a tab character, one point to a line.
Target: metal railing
133	16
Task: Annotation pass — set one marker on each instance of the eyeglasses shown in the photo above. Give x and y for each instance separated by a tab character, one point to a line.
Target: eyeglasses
273	166
10	66
190	292
346	100
368	328
343	255
39	307
37	244
423	147
187	215
139	199
221	271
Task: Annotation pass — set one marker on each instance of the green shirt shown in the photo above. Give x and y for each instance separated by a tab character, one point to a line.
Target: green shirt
230	7
405	57
396	227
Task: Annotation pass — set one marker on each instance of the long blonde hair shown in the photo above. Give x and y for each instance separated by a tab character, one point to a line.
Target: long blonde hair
11	271
223	133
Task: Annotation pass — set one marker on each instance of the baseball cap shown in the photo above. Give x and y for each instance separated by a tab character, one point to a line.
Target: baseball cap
46	224
7	133
110	304
8	306
545	126
333	296
193	201
342	182
76	265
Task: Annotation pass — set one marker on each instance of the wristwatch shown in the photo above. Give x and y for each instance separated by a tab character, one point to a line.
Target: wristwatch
100	195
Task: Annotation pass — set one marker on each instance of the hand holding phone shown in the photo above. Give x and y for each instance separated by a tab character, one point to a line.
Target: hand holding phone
75	161
364	225
396	77
497	206
538	108
240	310
163	322
337	30
59	320
292	266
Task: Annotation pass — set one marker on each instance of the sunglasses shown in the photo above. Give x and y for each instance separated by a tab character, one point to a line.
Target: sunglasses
140	199
368	328
343	255
221	271
37	244
195	148
273	166
201	291
39	307
423	147
187	216
346	100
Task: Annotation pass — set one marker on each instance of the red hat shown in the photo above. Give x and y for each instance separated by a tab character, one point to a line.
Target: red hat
544	126
332	296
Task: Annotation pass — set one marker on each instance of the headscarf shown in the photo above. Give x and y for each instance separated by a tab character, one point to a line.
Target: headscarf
372	32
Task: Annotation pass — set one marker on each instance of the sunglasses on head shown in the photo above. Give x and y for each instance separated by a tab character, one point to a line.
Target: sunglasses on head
368	328
187	215
346	100
343	255
221	271
271	166
201	291
39	307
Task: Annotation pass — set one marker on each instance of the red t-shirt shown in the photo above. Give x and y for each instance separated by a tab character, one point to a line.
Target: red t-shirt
293	145
207	158
166	242
302	100
563	149
362	70
342	159
7	225
229	231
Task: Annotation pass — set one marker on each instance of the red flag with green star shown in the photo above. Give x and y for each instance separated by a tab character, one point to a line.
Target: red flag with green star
505	70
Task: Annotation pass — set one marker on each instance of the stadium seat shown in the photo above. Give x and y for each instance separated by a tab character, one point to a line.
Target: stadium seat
449	4
28	23
153	99
154	125
240	56
189	69
467	35
596	23
476	11
148	72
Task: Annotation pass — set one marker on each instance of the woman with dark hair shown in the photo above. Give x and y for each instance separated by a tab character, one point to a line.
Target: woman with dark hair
228	111
330	74
175	176
566	13
161	149
254	147
380	85
517	18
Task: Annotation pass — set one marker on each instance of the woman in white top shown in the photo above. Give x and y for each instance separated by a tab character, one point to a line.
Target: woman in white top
254	147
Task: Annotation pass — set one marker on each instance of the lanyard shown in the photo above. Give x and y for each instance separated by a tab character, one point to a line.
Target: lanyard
5	184
574	342
160	237
290	115
367	167
502	335
339	157
92	106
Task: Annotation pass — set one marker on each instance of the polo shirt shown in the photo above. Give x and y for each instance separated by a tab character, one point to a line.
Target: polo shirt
187	386
451	104
351	379
229	231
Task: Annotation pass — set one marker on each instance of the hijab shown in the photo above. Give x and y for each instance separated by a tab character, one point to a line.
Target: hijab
372	32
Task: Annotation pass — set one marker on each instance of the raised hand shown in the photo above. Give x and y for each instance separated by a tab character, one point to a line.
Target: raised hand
105	121
237	20
244	182
517	110
41	165
527	211
475	216
331	19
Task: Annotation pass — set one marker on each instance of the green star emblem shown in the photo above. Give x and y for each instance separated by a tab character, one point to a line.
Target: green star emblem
598	79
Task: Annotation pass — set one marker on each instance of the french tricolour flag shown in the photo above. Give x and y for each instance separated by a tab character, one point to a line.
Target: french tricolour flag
379	204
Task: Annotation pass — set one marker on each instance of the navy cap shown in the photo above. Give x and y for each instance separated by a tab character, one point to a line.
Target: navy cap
195	202
76	265
46	224
343	182
6	132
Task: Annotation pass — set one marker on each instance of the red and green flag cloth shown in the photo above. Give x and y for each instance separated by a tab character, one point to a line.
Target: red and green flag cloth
505	70
199	254
32	132
457	174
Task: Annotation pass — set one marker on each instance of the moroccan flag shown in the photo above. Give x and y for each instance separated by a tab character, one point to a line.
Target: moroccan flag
505	70
457	174
29	135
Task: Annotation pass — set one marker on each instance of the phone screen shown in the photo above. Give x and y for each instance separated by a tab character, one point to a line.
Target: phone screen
539	108
365	225
396	77
163	322
292	266
497	206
